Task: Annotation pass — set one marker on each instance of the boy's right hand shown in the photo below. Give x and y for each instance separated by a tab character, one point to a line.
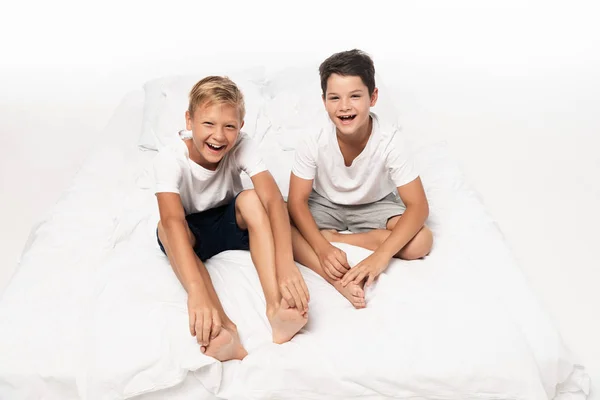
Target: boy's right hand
205	321
333	261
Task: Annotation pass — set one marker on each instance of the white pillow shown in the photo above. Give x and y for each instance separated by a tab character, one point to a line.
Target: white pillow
293	104
166	100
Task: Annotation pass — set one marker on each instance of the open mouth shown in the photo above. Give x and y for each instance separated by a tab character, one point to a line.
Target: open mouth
215	148
346	119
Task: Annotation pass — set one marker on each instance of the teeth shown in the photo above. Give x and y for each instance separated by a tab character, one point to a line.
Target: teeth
212	146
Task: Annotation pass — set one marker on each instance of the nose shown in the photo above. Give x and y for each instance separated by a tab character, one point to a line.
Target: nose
219	133
344	104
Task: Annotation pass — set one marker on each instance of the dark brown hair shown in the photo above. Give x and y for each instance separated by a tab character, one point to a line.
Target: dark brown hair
349	63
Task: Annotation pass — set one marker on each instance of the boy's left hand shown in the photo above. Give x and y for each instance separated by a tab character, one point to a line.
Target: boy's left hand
293	288
369	268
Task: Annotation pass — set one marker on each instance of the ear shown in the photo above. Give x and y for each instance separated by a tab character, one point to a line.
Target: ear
374	97
323	98
242	125
188	121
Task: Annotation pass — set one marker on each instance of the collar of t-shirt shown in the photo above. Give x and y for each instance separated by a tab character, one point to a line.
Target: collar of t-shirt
333	140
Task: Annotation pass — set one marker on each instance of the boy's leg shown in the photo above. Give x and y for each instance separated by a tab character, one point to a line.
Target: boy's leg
374	223
250	215
305	255
369	240
226	345
418	247
327	215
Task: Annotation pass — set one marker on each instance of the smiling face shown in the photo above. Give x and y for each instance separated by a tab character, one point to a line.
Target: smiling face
215	128
348	102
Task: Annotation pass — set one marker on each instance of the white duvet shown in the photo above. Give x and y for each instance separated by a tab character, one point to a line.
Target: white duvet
95	311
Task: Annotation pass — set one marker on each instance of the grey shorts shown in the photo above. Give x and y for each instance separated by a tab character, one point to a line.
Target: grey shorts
354	218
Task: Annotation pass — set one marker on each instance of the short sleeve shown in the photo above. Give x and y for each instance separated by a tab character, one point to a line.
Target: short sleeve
248	158
167	173
305	159
399	162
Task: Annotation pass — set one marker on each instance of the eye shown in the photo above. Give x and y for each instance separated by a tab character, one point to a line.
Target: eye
230	126
207	123
333	98
356	96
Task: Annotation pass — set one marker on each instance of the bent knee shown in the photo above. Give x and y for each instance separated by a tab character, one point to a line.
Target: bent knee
249	207
248	199
419	246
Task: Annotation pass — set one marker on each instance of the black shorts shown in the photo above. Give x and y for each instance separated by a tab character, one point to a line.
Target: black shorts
215	231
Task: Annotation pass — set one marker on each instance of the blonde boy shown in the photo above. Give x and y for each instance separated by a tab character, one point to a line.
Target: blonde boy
204	211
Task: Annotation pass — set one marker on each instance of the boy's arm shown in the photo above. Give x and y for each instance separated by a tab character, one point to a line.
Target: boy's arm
292	285
181	256
204	319
413	219
333	260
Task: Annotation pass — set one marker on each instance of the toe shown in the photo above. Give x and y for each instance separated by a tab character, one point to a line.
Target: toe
359	305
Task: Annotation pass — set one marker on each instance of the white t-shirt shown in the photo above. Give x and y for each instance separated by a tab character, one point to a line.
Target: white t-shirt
382	166
199	188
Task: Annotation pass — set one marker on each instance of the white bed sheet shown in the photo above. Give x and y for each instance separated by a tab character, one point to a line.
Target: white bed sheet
47	309
94	310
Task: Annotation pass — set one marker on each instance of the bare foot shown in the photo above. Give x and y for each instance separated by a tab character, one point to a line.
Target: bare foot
226	346
353	292
330	235
286	322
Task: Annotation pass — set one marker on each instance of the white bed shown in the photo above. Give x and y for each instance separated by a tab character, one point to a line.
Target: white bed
94	311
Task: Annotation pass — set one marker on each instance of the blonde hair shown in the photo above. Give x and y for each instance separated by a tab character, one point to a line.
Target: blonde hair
219	90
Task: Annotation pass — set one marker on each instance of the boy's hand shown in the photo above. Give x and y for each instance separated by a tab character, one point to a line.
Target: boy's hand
333	261
205	322
369	268
293	288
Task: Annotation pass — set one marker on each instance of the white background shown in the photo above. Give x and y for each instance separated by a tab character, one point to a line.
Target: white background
514	87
